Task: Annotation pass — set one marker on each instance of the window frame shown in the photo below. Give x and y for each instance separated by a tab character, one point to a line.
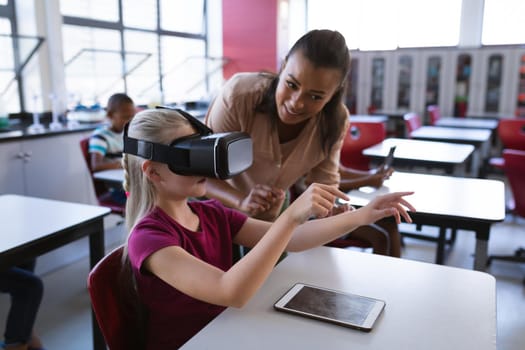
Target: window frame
158	31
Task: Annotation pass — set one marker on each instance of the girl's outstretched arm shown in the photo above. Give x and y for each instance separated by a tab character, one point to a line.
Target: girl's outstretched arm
314	233
236	286
317	232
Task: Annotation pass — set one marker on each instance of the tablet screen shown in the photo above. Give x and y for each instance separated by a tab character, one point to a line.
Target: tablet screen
333	306
344	307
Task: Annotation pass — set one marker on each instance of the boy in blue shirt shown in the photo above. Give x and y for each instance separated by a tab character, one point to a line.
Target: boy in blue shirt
106	143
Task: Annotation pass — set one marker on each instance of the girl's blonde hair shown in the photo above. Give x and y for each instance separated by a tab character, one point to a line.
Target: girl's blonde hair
154	125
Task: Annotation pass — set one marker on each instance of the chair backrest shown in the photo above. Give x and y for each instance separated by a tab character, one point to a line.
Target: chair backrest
84	147
412	122
511	132
434	113
361	135
514	169
101	191
116	304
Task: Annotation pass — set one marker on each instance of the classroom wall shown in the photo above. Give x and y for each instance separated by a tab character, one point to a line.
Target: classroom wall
249	35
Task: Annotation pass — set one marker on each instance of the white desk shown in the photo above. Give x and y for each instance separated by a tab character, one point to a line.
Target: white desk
428	307
452	122
448	156
30	227
479	138
475	137
448	202
115	176
365	118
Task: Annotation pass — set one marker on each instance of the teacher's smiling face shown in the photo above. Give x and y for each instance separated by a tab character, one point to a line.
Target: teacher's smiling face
304	89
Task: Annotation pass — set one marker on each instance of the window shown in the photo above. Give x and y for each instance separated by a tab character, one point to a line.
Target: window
388	24
429	23
93	64
154	57
321	14
8	84
102	10
182	16
140	14
503	22
183	68
142	66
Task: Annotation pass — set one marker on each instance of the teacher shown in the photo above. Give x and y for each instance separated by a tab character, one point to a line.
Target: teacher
297	121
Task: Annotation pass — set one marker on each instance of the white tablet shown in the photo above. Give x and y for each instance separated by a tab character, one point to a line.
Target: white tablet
341	308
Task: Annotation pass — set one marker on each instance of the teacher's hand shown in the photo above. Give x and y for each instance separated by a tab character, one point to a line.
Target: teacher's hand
260	199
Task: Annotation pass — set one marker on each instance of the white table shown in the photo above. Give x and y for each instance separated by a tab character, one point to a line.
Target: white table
365	118
114	176
448	202
448	156
454	122
471	136
30	227
428	307
479	138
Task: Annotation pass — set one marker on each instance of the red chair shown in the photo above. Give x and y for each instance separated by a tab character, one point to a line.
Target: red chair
101	191
412	122
361	135
515	172
514	169
511	133
434	113
115	303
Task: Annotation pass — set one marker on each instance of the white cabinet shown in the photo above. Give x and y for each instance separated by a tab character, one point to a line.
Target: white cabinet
47	167
12	174
482	82
50	166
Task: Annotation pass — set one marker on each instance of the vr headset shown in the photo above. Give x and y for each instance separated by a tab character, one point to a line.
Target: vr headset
221	155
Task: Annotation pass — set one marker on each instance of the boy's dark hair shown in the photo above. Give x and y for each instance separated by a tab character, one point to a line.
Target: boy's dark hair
326	49
116	101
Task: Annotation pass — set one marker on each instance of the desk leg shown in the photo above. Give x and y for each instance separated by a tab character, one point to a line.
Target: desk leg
481	252
96	252
440	252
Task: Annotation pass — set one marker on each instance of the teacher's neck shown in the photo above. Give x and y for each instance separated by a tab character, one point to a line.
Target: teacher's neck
288	132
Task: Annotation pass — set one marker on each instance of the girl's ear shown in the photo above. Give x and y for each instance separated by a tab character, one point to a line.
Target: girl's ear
148	168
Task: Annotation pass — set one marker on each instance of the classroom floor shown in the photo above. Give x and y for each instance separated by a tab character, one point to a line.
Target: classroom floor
64	319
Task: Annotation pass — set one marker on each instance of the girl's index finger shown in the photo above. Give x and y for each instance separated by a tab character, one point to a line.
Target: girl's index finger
337	192
407	204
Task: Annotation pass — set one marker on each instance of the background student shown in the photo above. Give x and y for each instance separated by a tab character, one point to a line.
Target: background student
181	251
26	291
297	121
105	144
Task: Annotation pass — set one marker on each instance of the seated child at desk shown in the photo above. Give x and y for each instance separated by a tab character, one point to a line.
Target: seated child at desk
180	251
26	290
105	145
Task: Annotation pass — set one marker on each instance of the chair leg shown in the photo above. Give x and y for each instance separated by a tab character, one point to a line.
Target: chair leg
519	256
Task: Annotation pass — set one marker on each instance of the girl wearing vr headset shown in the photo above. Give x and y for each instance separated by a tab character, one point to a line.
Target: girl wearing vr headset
297	122
180	251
